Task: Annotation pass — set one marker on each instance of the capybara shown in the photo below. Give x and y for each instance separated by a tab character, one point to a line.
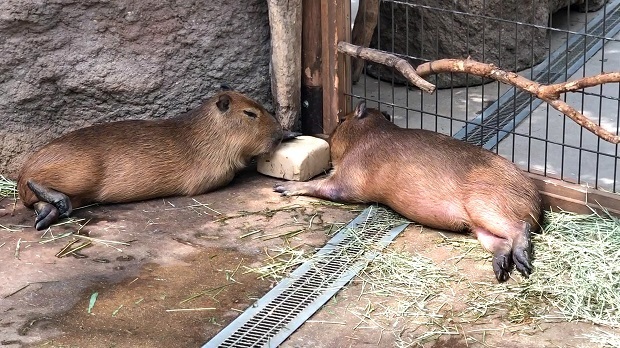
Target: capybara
134	160
434	180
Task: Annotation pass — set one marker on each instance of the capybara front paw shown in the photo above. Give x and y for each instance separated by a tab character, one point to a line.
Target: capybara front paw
502	265
282	189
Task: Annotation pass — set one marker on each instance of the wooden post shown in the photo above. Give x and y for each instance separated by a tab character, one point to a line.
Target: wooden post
285	25
336	74
311	78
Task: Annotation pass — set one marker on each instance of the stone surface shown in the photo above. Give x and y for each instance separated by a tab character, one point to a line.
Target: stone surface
66	64
456	29
299	159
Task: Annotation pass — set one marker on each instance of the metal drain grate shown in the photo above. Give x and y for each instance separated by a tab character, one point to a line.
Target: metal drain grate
510	109
286	307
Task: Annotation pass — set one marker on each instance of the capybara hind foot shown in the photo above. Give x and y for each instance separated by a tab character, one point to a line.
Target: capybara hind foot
522	252
501	250
47	214
502	265
57	199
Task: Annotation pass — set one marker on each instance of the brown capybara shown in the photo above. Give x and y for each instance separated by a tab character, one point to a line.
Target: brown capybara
141	159
434	180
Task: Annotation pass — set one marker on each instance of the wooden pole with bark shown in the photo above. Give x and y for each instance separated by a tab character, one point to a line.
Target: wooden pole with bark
548	93
285	25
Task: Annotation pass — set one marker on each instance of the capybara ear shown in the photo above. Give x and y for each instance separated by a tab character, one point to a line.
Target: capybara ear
387	116
225	87
360	110
223	103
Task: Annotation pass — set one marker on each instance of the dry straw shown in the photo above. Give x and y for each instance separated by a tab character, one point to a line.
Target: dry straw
8	188
576	271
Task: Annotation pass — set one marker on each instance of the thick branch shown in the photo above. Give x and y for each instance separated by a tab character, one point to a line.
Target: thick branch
388	60
547	93
585	82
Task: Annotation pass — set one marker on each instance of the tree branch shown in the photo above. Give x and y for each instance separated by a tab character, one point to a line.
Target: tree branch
389	60
547	93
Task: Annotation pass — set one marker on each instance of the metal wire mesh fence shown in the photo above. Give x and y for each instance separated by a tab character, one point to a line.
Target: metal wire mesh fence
547	42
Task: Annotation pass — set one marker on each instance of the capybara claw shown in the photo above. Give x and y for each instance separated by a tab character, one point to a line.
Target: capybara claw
47	214
278	188
522	252
521	258
502	265
281	189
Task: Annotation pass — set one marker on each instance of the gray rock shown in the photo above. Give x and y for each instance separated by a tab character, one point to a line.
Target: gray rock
458	30
66	64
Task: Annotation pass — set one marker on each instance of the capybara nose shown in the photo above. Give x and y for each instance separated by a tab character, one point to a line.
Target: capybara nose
288	135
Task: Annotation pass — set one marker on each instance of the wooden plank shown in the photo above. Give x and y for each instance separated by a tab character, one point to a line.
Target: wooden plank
311	79
557	194
336	26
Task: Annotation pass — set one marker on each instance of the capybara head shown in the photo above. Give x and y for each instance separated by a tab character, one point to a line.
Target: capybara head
354	126
246	124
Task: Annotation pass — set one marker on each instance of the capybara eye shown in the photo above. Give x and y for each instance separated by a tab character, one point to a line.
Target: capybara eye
250	113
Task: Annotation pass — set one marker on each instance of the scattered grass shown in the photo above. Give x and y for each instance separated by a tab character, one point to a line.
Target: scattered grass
576	270
8	188
267	212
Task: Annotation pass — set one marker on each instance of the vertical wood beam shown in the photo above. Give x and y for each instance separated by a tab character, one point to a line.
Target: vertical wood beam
336	26
311	77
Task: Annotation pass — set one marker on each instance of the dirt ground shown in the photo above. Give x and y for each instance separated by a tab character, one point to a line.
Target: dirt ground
179	248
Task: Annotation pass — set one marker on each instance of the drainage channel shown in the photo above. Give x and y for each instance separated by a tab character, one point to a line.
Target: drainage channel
275	316
501	117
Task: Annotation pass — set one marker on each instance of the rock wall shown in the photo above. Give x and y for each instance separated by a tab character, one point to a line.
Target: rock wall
66	64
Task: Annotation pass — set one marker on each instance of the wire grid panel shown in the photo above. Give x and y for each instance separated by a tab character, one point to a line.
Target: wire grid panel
287	306
547	45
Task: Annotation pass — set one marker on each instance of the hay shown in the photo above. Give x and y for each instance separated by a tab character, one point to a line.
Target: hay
8	188
576	270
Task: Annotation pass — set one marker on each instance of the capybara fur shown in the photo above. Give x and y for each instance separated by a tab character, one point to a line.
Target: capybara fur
434	180
135	160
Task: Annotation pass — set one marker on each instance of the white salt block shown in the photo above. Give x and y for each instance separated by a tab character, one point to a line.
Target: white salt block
298	159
